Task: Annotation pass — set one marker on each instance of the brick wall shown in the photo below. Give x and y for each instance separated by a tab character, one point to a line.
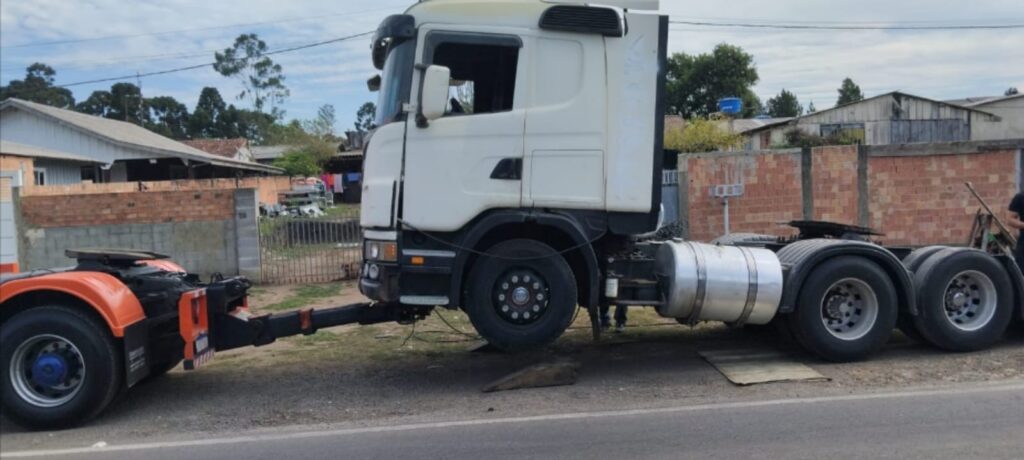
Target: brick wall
200	229
923	200
126	208
913	193
834	183
772	194
267	188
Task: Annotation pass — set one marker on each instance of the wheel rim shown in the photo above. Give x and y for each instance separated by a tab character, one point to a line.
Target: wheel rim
47	370
970	300
521	296
849	309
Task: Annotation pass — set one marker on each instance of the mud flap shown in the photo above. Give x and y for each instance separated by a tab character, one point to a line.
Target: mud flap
136	355
194	326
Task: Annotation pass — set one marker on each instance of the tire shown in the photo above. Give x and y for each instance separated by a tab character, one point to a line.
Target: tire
495	281
846	310
89	367
740	238
965	300
905	322
159	370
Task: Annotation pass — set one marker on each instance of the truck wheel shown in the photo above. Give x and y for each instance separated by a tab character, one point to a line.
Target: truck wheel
965	300
61	367
913	262
846	310
521	296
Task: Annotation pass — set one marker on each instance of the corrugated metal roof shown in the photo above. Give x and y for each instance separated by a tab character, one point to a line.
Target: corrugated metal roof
889	94
22	150
132	136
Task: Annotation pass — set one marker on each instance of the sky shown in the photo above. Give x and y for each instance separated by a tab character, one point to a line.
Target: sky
93	39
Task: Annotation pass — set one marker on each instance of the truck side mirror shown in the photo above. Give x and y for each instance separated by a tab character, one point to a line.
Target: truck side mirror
433	94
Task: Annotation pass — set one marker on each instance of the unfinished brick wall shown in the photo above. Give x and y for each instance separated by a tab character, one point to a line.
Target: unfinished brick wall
127	208
206	231
267	188
773	192
834	183
919	200
915	194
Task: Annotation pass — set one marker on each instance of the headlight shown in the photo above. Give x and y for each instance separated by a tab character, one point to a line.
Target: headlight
385	251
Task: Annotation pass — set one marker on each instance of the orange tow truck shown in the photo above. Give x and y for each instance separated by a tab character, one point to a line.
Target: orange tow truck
72	339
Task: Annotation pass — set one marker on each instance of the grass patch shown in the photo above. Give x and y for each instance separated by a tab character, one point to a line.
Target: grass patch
304	295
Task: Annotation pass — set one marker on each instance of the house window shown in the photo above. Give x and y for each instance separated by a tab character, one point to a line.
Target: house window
848	131
40	176
483	76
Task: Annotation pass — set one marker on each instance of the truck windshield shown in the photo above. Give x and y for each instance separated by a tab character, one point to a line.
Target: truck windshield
394	84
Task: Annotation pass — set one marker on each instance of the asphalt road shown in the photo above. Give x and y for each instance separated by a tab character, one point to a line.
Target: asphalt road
979	421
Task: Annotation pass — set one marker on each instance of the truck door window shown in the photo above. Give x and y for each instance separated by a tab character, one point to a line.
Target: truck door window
483	77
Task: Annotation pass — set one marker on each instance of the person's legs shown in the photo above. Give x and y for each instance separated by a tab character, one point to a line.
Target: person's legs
620	317
606	320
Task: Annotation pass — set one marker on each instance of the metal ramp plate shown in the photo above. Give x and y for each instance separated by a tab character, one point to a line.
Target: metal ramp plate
749	367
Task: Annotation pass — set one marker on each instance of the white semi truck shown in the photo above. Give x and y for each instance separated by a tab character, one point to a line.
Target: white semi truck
515	173
518	156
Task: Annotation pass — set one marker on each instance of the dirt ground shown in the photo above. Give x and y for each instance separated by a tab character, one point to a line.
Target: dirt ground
386	374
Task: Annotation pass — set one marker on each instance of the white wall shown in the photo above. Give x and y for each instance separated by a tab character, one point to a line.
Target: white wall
1011	111
28	129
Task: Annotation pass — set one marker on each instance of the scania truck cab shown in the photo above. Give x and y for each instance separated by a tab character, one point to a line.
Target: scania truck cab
516	167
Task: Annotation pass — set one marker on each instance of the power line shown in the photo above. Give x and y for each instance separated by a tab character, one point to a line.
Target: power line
847	27
196	29
199	66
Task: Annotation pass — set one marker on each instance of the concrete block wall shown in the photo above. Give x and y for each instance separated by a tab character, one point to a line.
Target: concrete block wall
914	193
200	230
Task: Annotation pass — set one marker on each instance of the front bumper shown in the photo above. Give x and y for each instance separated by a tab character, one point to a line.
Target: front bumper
385	287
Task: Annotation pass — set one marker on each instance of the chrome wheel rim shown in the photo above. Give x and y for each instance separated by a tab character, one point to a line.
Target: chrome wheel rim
970	300
521	296
47	370
849	309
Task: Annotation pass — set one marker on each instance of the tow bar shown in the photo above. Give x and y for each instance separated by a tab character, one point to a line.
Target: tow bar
205	331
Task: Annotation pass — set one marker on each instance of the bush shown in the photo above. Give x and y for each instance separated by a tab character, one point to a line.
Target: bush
701	135
798	138
298	163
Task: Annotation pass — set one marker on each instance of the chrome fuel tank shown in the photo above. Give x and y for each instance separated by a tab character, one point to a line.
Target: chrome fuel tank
733	284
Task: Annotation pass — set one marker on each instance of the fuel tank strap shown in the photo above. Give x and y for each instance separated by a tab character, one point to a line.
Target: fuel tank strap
748	308
702	284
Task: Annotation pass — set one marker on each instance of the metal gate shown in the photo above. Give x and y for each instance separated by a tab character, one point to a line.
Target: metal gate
8	231
311	250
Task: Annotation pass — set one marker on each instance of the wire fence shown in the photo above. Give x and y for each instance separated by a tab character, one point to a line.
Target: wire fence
311	250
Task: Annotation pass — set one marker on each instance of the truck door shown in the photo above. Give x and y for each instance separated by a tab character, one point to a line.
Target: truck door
470	160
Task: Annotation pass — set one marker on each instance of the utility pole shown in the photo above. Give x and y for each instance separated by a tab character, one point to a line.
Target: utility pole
142	108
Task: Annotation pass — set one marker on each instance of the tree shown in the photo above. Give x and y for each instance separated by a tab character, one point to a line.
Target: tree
701	135
297	163
1012	91
849	92
323	125
38	87
811	108
696	83
168	117
365	117
262	80
122	102
784	105
205	122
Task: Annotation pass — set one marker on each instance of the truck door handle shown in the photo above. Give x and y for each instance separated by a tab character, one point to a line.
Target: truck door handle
508	169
